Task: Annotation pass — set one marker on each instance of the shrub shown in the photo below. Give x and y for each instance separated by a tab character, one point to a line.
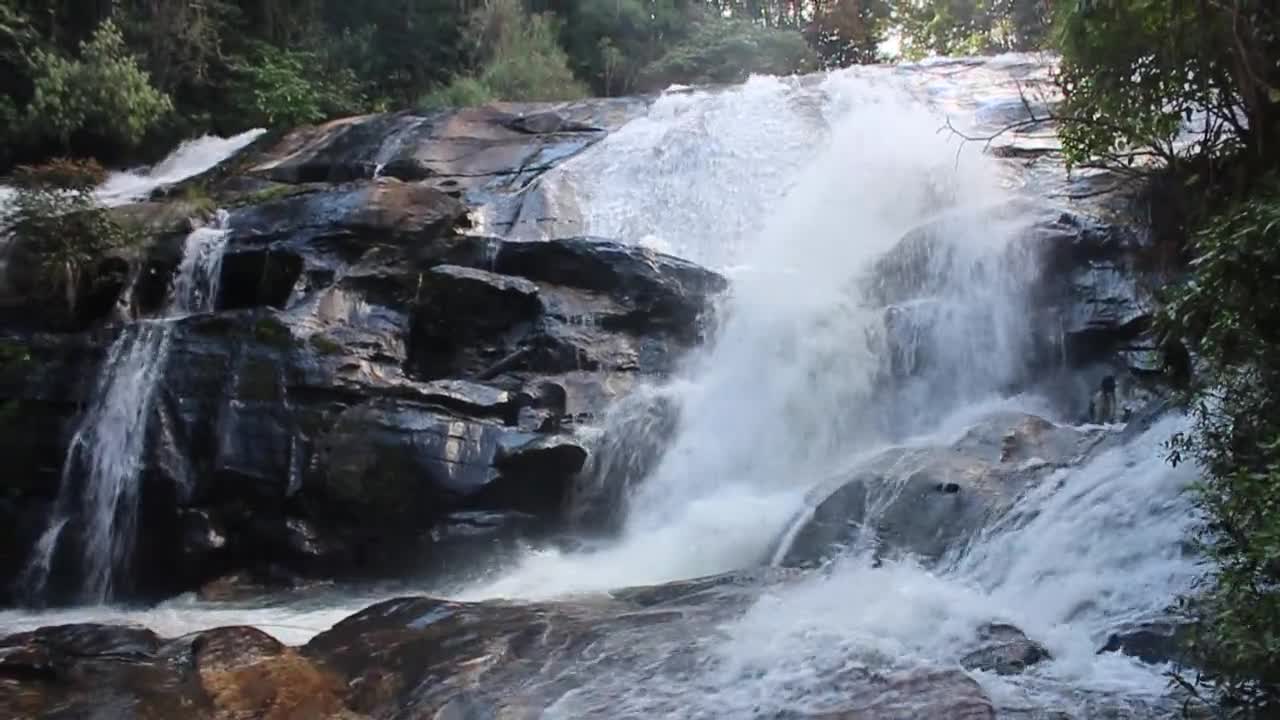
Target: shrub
1226	313
103	93
276	87
59	231
461	92
727	51
520	60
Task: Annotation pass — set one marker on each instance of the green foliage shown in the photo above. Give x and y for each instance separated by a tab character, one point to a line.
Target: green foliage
100	79
461	92
726	51
59	231
283	88
849	32
102	93
521	61
1134	73
610	41
524	60
971	27
1226	313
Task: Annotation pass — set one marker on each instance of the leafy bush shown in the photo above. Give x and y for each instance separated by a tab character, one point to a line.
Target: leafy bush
728	51
276	87
59	231
1169	81
461	92
521	60
1226	313
103	93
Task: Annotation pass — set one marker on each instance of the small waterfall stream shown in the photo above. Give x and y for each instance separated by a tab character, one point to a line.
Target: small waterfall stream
107	448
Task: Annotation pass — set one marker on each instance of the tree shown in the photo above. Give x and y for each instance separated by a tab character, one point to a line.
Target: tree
727	51
1168	80
1188	94
282	88
848	32
521	59
967	27
102	94
1226	313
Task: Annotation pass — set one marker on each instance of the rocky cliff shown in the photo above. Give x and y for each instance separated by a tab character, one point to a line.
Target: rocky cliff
376	382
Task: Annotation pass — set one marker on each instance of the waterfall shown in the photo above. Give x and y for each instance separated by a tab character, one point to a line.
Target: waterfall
100	477
804	206
880	299
189	159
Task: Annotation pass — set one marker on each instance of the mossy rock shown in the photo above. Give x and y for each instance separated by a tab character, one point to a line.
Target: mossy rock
326	346
272	332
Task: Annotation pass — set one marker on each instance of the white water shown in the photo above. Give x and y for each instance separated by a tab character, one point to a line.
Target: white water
107	448
796	189
189	159
828	181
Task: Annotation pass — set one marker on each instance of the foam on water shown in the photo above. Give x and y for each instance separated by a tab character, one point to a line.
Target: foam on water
189	159
801	187
803	203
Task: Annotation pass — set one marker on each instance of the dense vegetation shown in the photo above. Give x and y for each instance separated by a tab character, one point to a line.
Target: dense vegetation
124	80
1188	95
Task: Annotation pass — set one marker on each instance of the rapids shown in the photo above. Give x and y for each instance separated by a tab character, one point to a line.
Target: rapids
796	188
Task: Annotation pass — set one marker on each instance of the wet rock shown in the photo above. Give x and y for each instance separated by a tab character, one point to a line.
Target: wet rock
477	149
396	462
459	308
111	672
637	431
1151	642
256	278
1005	650
247	673
350	219
658	291
543	455
429	658
925	502
942	694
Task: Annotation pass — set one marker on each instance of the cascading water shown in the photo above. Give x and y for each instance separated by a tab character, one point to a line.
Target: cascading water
798	379
107	449
879	298
821	362
189	159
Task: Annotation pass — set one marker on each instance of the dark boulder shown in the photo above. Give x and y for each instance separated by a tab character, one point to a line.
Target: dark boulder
658	292
1005	650
112	672
463	312
370	373
1156	642
470	150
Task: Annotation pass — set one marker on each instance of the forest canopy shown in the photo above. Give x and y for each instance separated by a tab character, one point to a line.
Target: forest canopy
125	79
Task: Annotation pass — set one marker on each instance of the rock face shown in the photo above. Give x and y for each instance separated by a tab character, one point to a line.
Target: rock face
377	379
428	658
1155	642
1005	650
928	501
